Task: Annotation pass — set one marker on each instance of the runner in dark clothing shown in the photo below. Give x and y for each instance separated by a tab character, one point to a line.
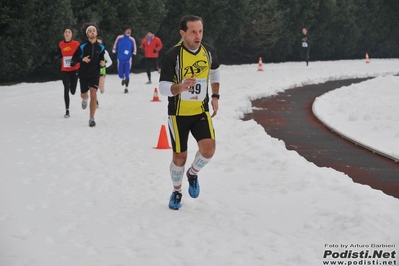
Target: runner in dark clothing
90	55
305	43
69	74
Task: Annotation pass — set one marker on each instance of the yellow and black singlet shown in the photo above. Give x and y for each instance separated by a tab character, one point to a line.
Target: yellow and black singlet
180	63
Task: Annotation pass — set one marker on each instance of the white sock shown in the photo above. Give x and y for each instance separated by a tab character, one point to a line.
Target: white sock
176	173
192	172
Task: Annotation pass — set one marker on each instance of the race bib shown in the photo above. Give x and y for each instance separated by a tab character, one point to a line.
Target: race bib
67	61
305	44
198	93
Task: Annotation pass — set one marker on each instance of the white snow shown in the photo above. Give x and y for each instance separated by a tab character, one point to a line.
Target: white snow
81	196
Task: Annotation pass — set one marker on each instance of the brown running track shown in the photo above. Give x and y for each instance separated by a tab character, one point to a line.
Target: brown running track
288	116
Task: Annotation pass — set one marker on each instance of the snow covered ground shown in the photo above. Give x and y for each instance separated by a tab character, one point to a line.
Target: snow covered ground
81	196
366	112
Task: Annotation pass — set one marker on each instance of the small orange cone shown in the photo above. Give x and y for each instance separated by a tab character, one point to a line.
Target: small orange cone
367	58
155	98
260	67
163	139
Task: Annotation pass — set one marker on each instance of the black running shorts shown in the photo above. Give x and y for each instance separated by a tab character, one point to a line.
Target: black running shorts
86	84
200	126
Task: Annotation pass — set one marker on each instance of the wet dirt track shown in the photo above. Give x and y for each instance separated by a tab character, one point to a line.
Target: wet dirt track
288	116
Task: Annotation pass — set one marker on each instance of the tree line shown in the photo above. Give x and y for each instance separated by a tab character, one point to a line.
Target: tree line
241	30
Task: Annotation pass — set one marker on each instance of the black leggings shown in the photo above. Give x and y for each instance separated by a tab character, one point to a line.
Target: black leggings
305	54
149	64
70	81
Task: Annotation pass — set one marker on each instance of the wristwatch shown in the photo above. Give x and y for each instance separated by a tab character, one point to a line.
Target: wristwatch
215	96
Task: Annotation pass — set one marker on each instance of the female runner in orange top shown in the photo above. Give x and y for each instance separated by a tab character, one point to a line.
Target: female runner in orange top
69	74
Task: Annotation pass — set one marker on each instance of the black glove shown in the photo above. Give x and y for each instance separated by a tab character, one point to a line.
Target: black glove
155	51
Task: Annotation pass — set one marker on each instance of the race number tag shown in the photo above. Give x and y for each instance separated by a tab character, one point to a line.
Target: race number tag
67	61
305	44
198	93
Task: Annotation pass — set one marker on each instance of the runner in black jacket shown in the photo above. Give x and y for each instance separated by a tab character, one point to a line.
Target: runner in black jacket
90	55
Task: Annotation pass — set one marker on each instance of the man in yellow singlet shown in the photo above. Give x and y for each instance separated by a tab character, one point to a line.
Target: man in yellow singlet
186	70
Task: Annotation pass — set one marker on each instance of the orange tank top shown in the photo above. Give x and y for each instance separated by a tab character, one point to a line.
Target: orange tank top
67	51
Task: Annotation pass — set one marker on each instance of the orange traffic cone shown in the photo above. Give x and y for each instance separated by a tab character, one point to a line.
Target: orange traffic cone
163	139
260	68
155	98
367	58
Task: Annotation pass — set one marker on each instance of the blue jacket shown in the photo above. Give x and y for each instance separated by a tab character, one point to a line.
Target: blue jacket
124	47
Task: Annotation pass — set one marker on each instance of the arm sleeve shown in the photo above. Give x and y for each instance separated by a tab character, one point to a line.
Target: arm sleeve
165	88
108	59
76	56
134	52
167	69
215	62
102	55
166	79
159	45
115	44
214	76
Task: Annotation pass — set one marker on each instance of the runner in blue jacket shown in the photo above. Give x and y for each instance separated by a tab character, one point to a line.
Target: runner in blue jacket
125	49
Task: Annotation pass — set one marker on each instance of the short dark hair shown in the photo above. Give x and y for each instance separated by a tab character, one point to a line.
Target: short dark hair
188	18
68	28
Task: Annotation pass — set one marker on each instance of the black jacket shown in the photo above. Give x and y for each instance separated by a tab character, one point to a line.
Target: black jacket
306	41
95	51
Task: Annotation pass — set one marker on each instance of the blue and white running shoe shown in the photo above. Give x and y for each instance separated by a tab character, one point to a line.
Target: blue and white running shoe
175	199
194	188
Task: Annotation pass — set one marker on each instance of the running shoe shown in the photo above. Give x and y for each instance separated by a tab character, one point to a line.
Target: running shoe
92	123
102	90
123	82
126	90
175	199
194	188
84	104
148	82
66	114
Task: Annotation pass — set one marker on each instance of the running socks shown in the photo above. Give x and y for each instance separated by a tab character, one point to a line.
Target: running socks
199	163
176	173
